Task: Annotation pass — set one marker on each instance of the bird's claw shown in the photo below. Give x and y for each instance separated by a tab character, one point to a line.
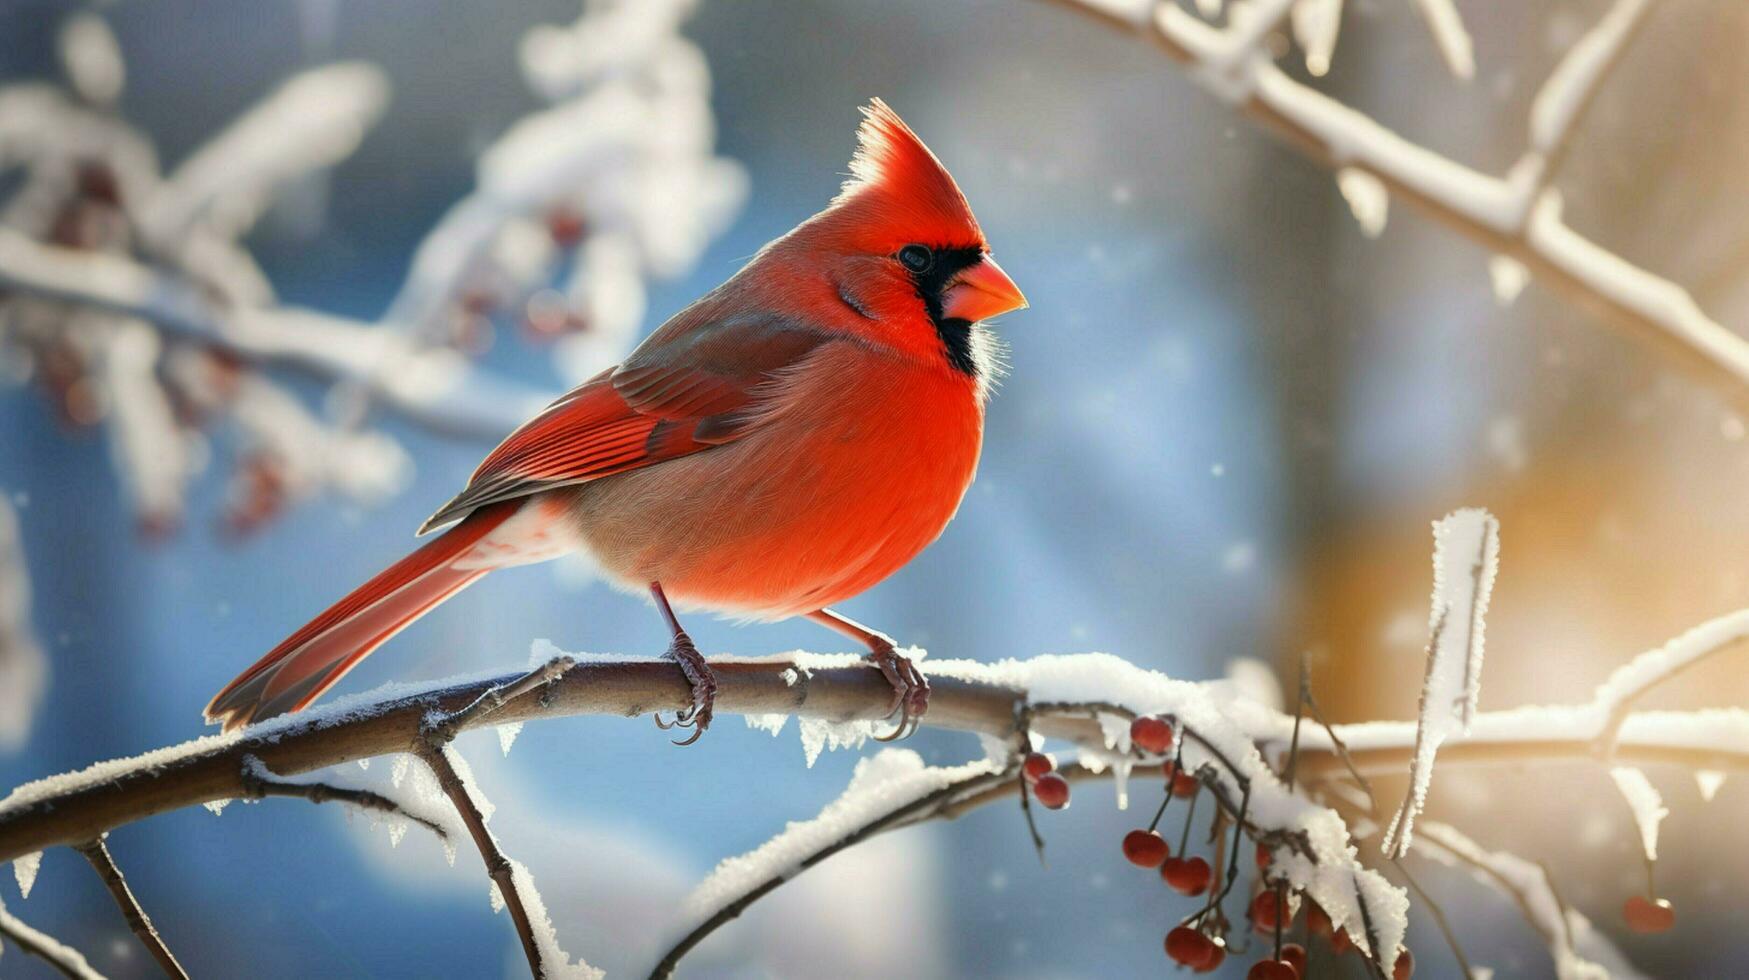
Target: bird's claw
910	691
698	673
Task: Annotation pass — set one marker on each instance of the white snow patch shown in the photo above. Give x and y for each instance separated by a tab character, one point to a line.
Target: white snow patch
217	806
1367	199
1709	781
818	734
1643	799
1560	99
1316	24
1508	277
1466	558
1449	33
1588	956
880	785
24	869
1336	879
69	960
772	723
556	964
507	736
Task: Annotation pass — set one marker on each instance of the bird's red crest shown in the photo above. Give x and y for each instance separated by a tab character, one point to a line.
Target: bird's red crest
893	165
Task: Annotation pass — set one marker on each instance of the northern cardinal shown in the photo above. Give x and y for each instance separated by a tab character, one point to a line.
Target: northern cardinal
782	444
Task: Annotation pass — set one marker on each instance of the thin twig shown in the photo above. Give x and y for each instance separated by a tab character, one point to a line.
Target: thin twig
1515	216
445	728
1438	913
437	731
258	785
96	851
437	757
923	808
66	960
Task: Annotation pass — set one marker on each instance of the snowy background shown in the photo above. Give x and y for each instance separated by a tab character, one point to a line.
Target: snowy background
1230	417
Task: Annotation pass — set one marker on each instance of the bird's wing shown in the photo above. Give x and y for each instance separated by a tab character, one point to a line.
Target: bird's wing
680	392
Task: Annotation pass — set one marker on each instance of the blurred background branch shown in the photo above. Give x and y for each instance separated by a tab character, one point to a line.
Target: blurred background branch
1517	217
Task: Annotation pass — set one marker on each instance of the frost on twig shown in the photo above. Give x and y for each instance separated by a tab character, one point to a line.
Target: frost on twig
512	884
888	790
1466	557
1647	806
1578	950
24	670
131	295
1517	215
68	961
259	783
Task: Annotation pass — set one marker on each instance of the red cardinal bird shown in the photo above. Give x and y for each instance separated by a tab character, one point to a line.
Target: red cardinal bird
783	444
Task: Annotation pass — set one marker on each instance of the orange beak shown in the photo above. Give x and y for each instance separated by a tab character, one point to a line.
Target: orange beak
981	292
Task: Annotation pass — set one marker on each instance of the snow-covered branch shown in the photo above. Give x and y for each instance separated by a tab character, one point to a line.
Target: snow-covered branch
130	293
1517	217
1207	739
66	960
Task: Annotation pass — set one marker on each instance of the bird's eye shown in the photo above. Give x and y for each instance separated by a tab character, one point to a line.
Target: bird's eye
917	258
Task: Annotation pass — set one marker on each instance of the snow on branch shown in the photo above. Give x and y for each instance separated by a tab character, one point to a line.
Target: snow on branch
1647	806
68	961
1517	216
1466	559
1568	934
889	790
1219	739
130	295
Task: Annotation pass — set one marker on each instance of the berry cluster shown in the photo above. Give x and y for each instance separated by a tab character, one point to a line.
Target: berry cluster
1048	786
1200	941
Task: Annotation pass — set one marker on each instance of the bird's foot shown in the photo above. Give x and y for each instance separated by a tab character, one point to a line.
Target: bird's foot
910	689
698	673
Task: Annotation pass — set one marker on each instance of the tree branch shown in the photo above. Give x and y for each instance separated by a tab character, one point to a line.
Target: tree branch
1515	216
258	784
97	852
434	387
437	730
966	696
439	757
939	803
67	961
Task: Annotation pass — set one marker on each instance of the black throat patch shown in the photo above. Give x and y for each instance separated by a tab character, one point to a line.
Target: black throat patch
955	332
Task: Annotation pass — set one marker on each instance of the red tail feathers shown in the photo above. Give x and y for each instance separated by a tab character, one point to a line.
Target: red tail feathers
314	658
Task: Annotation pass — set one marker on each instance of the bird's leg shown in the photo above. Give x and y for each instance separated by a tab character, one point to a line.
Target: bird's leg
698	673
910	687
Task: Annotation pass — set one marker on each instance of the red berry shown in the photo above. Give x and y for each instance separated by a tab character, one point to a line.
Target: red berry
1189	947
565	225
1317	920
1145	848
1263	857
1036	765
1405	967
1180	783
1272	970
1269	908
1294	955
1340	943
1648	915
1052	791
1189	876
1151	735
1217	956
